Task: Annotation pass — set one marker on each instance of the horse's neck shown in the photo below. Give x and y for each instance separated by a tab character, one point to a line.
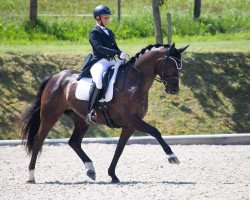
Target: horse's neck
147	63
145	66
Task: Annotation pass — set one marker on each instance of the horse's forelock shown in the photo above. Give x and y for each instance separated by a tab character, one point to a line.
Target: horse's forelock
176	54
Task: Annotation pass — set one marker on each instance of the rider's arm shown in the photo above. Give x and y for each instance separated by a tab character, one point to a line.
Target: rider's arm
94	39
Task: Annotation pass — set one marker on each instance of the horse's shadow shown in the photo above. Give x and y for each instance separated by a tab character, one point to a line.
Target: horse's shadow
92	183
179	182
120	183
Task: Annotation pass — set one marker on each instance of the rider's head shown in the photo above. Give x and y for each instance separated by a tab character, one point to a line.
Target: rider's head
101	14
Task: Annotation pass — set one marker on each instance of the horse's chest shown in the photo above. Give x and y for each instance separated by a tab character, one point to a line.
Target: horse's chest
141	105
144	105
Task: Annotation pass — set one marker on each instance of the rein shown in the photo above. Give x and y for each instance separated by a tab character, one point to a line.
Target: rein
156	79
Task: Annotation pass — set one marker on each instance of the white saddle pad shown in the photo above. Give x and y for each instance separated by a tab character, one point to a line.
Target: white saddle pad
83	86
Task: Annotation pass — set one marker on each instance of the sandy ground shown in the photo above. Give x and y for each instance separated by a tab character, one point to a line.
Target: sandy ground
205	172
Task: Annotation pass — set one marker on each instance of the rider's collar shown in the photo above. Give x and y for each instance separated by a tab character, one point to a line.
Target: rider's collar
102	27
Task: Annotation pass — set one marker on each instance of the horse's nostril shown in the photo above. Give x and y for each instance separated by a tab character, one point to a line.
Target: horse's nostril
175	91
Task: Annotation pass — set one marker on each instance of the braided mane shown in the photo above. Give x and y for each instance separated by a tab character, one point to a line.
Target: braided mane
149	47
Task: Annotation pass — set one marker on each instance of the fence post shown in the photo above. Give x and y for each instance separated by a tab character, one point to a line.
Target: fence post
33	11
169	27
157	20
197	8
118	11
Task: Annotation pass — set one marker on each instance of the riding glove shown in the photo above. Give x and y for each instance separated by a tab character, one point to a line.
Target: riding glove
122	56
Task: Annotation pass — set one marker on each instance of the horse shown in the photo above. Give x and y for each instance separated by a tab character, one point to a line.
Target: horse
127	109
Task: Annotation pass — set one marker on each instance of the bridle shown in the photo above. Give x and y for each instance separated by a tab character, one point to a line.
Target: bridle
178	64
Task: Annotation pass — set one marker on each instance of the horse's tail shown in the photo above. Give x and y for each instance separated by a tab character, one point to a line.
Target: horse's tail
30	122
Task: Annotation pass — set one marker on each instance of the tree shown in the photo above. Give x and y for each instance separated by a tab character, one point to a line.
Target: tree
197	8
33	11
157	20
118	11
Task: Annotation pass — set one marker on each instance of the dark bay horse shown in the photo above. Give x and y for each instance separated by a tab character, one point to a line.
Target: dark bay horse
127	109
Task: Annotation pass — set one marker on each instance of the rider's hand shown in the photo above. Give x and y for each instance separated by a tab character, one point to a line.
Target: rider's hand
123	56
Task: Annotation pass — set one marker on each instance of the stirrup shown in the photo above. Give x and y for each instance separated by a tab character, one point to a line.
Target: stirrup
89	118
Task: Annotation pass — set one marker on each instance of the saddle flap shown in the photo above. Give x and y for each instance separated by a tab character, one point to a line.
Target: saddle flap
105	80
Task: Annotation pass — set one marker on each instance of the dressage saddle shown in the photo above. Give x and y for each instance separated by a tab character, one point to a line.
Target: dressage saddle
85	72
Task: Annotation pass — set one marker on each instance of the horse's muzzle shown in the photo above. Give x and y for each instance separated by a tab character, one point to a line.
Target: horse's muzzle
172	88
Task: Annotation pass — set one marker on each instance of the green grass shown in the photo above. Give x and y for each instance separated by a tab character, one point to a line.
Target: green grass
217	17
131	27
214	7
218	43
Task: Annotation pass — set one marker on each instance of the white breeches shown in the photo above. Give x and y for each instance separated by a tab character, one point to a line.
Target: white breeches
98	69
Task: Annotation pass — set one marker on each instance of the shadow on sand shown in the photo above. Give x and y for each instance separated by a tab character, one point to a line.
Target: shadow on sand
121	183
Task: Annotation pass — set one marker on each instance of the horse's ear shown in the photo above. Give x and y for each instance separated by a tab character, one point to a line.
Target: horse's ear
183	49
172	48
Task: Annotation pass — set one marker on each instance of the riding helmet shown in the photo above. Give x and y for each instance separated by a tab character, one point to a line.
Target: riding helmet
101	10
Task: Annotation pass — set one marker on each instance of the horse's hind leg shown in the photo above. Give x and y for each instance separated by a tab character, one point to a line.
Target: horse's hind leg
43	131
49	117
75	143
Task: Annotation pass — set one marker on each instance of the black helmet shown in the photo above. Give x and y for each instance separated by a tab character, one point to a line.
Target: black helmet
101	10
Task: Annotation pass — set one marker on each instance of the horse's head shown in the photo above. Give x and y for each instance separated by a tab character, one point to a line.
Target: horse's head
169	67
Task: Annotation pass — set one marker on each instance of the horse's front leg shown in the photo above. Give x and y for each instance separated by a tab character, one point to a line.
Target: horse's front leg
140	125
125	135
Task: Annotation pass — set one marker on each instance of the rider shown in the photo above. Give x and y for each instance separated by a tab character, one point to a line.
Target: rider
105	49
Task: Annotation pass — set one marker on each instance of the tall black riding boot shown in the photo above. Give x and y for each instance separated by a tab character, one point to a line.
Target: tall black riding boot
93	96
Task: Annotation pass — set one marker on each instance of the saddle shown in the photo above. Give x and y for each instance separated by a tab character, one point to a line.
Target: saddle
107	76
105	81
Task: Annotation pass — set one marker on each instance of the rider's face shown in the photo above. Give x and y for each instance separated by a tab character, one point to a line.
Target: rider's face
105	19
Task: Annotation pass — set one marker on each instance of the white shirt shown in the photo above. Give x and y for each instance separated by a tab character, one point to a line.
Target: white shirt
103	28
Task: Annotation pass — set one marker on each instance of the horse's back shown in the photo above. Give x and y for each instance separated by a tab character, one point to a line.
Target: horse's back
61	82
67	74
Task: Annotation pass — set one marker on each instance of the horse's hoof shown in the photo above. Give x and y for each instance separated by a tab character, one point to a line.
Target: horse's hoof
91	174
31	181
115	181
174	160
